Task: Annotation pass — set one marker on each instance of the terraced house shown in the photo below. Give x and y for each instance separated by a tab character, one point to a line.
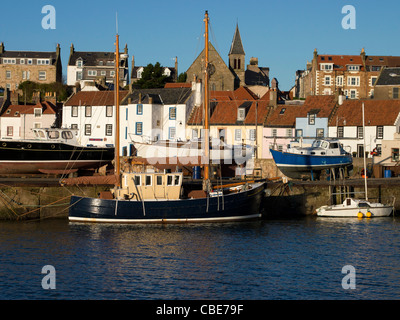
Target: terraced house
19	66
352	75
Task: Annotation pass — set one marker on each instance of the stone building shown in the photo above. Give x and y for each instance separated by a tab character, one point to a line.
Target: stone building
229	77
388	84
96	66
19	66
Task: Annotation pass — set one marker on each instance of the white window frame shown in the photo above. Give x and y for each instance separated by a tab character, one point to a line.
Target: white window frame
326	66
92	73
238	134
339	81
353	81
42	75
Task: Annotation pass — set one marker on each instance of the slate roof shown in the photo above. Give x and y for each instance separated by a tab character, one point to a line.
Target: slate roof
94	98
92	58
377	113
166	96
237	46
388	77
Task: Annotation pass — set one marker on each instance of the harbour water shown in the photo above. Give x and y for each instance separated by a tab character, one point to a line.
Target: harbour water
291	259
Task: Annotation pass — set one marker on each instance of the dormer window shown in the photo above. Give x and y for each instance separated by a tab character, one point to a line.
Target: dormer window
311	118
37	112
327	66
353	68
79	63
241	114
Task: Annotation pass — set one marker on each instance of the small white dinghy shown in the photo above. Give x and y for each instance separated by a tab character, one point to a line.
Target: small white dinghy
357	208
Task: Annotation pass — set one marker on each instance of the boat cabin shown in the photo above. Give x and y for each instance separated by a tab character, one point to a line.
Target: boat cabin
320	148
55	135
149	186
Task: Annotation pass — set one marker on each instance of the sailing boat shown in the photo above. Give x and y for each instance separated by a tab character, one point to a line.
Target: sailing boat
357	207
151	197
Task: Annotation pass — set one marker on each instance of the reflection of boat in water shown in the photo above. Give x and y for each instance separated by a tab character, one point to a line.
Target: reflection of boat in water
52	151
159	197
219	152
323	154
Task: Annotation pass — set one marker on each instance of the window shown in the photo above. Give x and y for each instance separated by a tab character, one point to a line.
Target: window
274	132
299	132
137	181
238	134
30	61
108	129
139	128
74	126
327	80
37	112
252	134
320	133
88	129
353	81
373	80
79	63
26	75
103	73
92	73
326	66
148	180
353	68
195	133
282	111
109	111
360	133
172	113
159	180
9	131
395	154
74	111
379	132
43	61
395	93
9	61
176	180
42	75
88	111
289	132
339	81
169	180
79	75
340	131
241	114
311	118
376	68
112	73
353	94
22	61
172	133
139	109
8	74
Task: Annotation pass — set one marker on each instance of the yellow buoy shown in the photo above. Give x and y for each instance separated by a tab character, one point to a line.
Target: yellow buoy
369	214
360	215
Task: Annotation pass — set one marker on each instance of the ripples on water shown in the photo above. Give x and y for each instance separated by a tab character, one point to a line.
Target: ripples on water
269	259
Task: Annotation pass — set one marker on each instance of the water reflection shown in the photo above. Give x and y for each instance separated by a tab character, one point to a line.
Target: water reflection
269	259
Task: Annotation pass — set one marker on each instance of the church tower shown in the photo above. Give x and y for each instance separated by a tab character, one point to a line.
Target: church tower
237	59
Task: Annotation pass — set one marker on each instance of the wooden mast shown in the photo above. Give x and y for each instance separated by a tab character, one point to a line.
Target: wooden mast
206	183
116	94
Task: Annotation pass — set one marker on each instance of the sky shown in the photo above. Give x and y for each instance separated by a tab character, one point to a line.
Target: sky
282	34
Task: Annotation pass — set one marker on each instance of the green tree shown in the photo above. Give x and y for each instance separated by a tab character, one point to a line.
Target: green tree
182	77
152	77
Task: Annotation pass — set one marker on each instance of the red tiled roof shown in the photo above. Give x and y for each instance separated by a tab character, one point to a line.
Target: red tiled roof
340	61
377	113
15	110
94	98
285	115
226	112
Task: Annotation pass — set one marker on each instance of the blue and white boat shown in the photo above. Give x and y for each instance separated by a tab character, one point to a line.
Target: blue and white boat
300	161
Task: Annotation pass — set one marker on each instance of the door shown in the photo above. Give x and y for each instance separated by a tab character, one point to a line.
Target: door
360	150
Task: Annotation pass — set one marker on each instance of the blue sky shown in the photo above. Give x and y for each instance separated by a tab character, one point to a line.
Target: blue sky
282	34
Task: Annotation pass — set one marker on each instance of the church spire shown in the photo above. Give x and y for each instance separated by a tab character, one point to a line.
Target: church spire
237	46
